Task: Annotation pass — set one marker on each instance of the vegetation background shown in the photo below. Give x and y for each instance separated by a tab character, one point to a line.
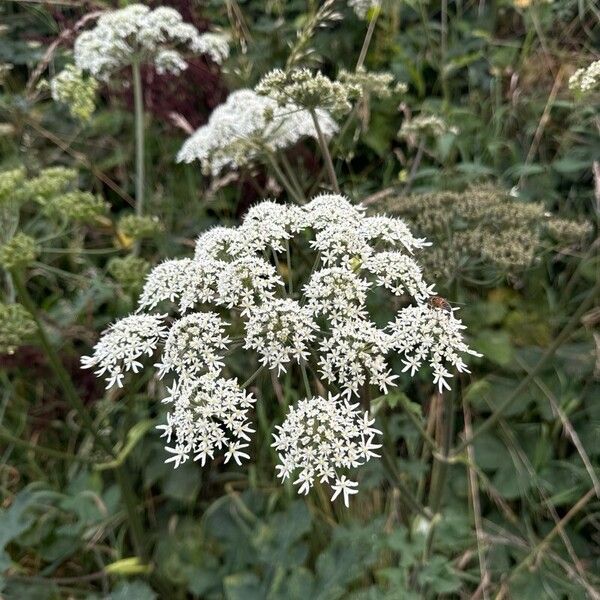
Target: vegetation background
516	513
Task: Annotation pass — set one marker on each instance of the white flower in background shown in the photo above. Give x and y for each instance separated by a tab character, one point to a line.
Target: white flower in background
122	345
424	334
138	34
280	331
230	299
246	126
362	7
320	440
425	125
209	414
354	354
586	79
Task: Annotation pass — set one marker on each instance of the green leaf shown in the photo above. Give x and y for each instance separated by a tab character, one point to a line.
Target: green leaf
495	346
132	590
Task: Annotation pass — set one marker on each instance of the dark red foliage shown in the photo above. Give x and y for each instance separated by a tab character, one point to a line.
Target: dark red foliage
194	93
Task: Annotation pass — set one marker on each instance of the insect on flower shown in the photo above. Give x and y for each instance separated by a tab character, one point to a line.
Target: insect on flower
441	303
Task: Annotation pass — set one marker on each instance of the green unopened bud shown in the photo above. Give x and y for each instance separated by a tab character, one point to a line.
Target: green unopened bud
76	90
18	252
137	228
11	186
76	206
129	272
16	327
128	566
50	182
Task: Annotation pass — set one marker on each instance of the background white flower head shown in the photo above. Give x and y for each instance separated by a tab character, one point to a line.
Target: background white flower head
138	34
245	125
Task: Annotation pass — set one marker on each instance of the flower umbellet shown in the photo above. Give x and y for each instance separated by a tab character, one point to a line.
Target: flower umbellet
240	293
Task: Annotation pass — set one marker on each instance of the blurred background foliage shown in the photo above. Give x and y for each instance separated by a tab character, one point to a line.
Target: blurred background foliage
508	192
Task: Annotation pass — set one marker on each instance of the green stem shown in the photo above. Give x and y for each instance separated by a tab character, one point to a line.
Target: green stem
408	498
325	152
51	452
63	377
368	37
131	507
548	354
440	468
288	258
138	101
292	177
305	379
252	377
283	179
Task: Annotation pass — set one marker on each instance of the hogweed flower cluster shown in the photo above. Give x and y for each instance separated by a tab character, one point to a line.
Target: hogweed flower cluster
78	92
16	327
586	79
234	295
137	34
430	126
484	226
309	90
246	126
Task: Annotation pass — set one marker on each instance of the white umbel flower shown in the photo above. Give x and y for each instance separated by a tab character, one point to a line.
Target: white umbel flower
337	293
354	354
362	7
246	125
433	335
246	282
270	225
280	331
138	34
164	282
195	344
233	283
400	274
332	209
123	344
209	415
219	243
391	232
321	439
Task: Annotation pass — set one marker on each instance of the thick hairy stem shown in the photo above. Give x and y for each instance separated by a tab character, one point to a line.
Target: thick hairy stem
325	152
138	102
440	465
